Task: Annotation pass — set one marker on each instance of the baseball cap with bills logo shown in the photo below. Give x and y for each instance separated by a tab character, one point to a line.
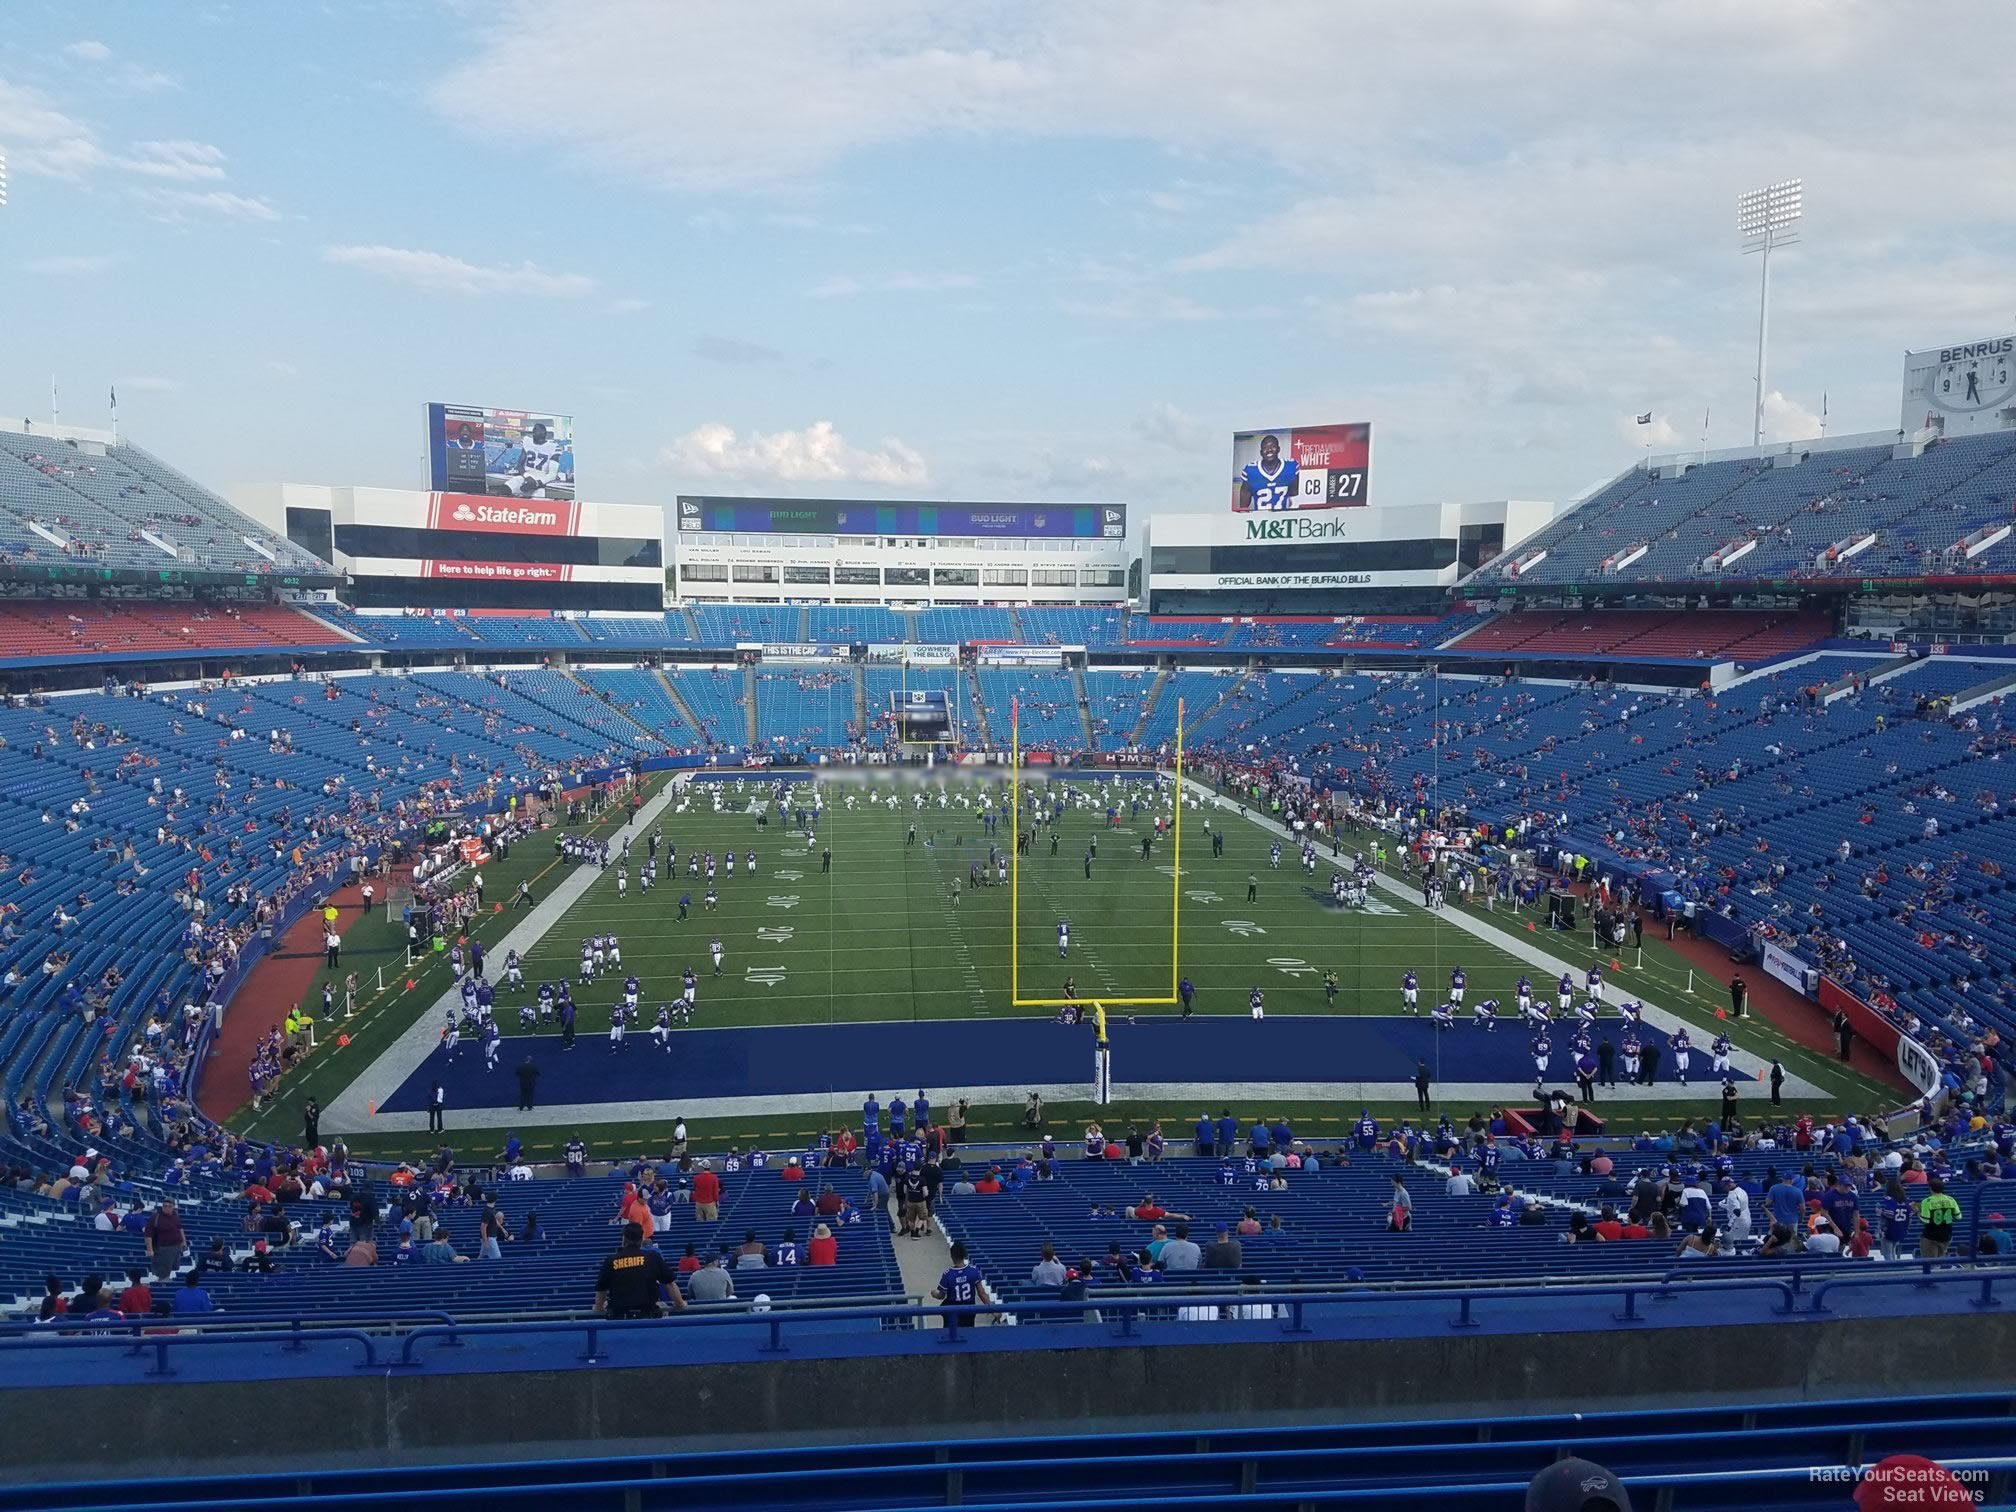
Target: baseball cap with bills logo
1576	1485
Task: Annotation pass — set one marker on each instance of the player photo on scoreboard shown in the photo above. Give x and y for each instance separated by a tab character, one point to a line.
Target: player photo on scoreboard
509	453
1301	467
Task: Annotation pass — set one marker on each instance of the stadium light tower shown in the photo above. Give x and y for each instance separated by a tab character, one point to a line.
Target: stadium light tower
1767	218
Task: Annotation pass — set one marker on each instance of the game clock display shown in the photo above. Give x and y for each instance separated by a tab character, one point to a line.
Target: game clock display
1305	467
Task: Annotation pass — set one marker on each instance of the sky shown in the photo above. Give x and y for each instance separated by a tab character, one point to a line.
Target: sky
1048	249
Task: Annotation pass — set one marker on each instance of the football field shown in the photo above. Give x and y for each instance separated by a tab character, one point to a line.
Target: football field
880	910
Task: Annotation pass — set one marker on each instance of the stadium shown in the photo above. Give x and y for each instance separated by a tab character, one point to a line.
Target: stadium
577	987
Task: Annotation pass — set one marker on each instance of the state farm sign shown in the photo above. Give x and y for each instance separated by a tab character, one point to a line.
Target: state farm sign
551	517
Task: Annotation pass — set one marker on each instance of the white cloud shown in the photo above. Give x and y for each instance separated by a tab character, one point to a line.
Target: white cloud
175	160
729	352
1788	419
857	75
89	52
1168	427
185	204
73	265
629	305
816	454
280	368
1142	305
893	283
145	80
41	139
438	272
793	220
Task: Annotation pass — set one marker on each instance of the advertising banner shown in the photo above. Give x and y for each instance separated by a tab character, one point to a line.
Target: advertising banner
866	517
1790	969
548	517
498	572
784	651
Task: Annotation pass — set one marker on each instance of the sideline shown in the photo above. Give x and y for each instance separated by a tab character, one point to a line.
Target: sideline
352	1111
1754	1068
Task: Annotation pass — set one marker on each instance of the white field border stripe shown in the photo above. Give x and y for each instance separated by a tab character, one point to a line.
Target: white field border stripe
843	1109
1659	1018
349	1112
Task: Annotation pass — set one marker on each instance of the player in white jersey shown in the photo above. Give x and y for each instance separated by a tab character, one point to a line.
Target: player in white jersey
622	881
587	962
514	974
539	452
646	875
601	951
714	949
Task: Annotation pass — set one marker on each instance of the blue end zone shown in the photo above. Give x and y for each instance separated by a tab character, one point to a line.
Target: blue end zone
1013	1054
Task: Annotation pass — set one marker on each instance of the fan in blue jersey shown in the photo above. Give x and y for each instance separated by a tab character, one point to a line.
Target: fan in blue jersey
1269	483
959	1288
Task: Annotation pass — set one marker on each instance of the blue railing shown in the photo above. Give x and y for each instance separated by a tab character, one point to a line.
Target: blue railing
1106	1318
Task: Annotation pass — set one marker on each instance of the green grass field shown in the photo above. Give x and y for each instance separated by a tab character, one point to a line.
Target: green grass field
879	937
